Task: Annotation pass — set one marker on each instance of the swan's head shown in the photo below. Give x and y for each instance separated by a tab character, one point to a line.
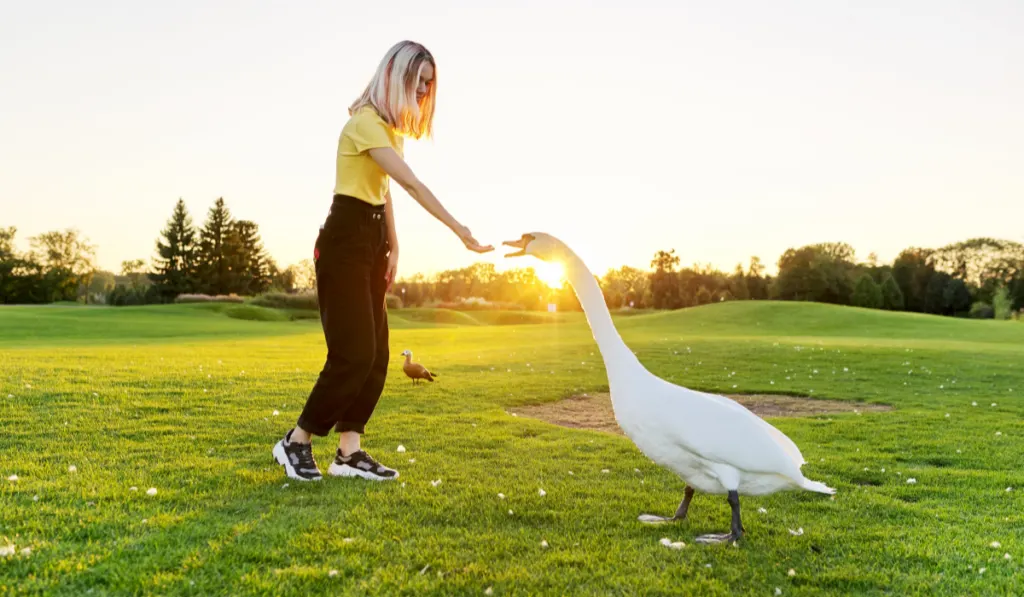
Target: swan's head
540	245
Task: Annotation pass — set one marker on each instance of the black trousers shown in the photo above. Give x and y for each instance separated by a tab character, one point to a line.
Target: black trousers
350	260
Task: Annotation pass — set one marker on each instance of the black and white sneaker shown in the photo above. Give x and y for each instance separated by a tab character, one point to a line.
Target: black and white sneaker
297	459
360	464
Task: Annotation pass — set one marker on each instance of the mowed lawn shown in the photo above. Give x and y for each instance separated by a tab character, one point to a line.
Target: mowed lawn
189	401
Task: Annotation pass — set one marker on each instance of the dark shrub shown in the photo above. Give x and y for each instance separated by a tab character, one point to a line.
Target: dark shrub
980	310
284	300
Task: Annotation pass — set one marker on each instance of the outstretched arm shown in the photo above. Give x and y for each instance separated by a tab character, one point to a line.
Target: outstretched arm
389	161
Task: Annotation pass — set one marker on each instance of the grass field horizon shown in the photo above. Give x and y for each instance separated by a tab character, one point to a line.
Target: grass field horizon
189	400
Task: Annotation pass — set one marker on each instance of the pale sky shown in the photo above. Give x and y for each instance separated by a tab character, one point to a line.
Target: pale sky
720	129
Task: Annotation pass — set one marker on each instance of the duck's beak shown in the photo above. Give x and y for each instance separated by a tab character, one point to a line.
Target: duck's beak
518	244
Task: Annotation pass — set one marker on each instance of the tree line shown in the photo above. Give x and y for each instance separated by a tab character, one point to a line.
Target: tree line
225	256
981	277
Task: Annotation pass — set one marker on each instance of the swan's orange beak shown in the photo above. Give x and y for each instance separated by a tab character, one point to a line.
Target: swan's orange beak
518	244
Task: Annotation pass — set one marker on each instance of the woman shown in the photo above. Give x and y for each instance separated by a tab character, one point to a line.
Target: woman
356	256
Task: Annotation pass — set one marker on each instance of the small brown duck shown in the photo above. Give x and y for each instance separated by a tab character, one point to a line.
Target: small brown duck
415	371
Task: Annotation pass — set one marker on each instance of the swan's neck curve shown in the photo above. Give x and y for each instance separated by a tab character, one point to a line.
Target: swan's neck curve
619	360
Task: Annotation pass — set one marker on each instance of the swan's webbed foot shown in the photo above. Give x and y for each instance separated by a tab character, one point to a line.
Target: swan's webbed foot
717	538
680	514
737	525
654	519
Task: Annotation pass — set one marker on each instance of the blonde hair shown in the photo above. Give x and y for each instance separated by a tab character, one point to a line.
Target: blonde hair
392	90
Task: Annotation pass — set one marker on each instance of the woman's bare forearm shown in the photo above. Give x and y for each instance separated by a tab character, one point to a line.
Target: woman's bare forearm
389	217
426	198
400	172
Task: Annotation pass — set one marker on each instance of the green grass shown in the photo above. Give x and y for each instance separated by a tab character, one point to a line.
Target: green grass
181	398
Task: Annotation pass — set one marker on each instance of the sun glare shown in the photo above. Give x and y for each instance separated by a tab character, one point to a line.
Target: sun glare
552	274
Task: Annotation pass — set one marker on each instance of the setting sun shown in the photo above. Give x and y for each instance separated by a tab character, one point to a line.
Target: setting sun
552	274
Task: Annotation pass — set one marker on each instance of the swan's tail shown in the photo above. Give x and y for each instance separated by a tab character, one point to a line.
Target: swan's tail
818	487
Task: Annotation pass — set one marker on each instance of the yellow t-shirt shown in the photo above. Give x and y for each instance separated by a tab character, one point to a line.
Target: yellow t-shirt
356	174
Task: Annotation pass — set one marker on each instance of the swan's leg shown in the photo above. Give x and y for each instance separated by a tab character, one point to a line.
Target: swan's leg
684	507
737	524
680	512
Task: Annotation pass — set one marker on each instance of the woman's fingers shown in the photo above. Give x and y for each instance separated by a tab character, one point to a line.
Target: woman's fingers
472	244
392	269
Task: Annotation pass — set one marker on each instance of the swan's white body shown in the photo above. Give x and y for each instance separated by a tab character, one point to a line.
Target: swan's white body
713	443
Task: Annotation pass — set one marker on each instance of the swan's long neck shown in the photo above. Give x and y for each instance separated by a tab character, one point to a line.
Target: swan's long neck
619	360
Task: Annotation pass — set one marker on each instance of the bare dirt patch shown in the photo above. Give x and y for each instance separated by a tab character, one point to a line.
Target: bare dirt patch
594	411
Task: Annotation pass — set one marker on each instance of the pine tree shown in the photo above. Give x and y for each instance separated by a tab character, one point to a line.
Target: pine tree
214	265
250	269
867	293
175	265
892	296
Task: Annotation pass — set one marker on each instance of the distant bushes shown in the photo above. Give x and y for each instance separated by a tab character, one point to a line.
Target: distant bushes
308	301
305	301
122	296
206	298
1000	308
285	300
1002	304
478	304
981	310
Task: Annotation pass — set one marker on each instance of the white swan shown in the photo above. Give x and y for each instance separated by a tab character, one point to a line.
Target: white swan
713	443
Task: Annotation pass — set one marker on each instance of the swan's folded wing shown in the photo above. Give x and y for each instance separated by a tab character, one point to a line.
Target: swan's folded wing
786	443
721	430
780	437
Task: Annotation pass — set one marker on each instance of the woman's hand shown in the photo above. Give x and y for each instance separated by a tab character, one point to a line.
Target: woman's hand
471	243
392	269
